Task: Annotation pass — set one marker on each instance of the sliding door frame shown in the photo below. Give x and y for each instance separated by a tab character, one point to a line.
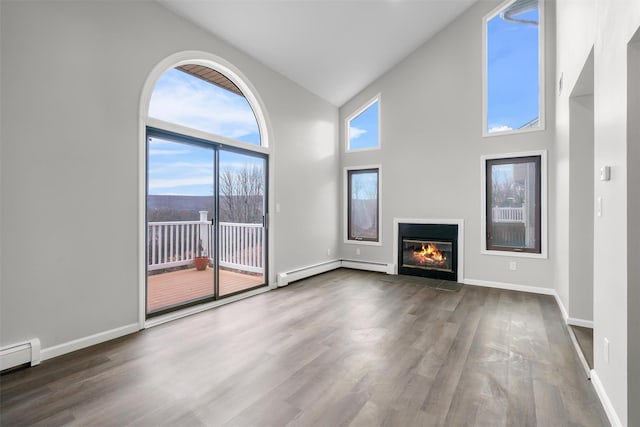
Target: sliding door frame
216	147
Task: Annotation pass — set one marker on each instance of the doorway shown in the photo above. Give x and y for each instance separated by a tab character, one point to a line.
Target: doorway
206	233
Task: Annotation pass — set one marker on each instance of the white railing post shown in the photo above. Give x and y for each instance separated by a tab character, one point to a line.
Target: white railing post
203	233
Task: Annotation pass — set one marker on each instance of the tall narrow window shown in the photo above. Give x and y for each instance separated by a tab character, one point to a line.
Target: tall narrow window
363	205
513	191
513	90
363	127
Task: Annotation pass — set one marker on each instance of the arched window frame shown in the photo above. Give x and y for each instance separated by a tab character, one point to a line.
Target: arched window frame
257	105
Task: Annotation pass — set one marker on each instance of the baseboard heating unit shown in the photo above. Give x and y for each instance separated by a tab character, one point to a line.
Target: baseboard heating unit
25	353
302	273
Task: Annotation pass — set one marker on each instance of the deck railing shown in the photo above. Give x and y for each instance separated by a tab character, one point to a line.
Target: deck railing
508	215
176	243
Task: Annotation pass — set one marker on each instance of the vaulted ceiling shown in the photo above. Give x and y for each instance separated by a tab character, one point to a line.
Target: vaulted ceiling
333	48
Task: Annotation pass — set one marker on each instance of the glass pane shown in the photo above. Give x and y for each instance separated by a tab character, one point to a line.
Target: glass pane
189	101
363	205
513	71
363	129
180	205
514	209
242	234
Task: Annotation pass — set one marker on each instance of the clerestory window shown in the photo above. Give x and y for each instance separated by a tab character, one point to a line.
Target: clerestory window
363	127
513	68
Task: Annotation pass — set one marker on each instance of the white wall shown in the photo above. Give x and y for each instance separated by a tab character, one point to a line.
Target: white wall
607	26
581	207
72	77
432	142
633	200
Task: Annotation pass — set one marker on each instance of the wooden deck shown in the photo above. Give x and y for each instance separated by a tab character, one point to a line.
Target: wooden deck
175	287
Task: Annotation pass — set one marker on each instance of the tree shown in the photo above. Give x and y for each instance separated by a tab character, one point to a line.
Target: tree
242	194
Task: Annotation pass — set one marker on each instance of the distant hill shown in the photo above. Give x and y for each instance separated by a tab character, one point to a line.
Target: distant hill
186	203
246	209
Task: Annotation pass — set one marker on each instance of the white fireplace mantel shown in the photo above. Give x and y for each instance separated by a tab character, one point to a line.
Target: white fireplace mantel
458	222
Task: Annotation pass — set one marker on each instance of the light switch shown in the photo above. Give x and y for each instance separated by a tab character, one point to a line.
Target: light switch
605	173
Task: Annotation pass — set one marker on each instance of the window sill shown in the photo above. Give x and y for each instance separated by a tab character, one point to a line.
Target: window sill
542	255
363	242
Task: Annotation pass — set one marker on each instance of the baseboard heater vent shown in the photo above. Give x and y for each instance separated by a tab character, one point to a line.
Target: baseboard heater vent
380	267
302	273
16	355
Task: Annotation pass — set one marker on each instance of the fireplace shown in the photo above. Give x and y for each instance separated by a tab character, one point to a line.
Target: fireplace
428	250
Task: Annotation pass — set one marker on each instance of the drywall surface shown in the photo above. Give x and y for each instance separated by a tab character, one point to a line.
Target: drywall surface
608	27
581	207
72	77
431	138
633	227
579	15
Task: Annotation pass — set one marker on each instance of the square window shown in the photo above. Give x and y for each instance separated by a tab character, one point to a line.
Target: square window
363	127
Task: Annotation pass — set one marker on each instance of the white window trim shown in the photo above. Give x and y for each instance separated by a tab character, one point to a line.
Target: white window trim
356	113
541	73
543	205
346	205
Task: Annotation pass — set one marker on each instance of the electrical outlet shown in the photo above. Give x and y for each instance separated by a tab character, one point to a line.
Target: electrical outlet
599	206
329	252
513	265
357	251
606	350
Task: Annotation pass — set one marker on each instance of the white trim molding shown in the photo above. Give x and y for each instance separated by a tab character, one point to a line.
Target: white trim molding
457	221
511	287
88	341
614	419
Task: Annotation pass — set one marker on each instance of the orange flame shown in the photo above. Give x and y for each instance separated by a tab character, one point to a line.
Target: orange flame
429	255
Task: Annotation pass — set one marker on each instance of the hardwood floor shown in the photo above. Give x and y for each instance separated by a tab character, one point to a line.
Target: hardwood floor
345	348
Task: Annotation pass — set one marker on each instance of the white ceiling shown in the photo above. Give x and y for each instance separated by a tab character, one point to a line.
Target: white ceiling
333	48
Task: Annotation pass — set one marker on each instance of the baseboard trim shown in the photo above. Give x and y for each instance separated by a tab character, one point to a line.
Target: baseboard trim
580	322
510	286
606	402
80	343
20	354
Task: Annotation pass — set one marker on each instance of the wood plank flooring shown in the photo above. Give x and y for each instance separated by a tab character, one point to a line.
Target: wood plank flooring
346	348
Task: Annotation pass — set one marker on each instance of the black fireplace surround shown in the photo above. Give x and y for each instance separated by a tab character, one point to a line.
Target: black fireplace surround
428	250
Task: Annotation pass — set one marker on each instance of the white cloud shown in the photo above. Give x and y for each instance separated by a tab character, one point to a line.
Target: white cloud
500	128
355	132
214	110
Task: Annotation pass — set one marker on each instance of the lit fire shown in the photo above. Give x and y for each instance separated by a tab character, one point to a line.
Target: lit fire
429	255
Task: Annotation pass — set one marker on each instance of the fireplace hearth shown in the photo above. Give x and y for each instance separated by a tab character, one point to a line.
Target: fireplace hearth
428	250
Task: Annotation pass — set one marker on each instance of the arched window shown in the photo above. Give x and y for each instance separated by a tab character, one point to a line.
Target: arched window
204	99
206	160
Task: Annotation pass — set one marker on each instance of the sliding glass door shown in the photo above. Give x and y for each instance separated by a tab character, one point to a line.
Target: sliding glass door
206	216
242	183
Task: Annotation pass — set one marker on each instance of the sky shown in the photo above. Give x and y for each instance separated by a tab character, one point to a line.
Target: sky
187	169
512	72
184	169
363	129
189	101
